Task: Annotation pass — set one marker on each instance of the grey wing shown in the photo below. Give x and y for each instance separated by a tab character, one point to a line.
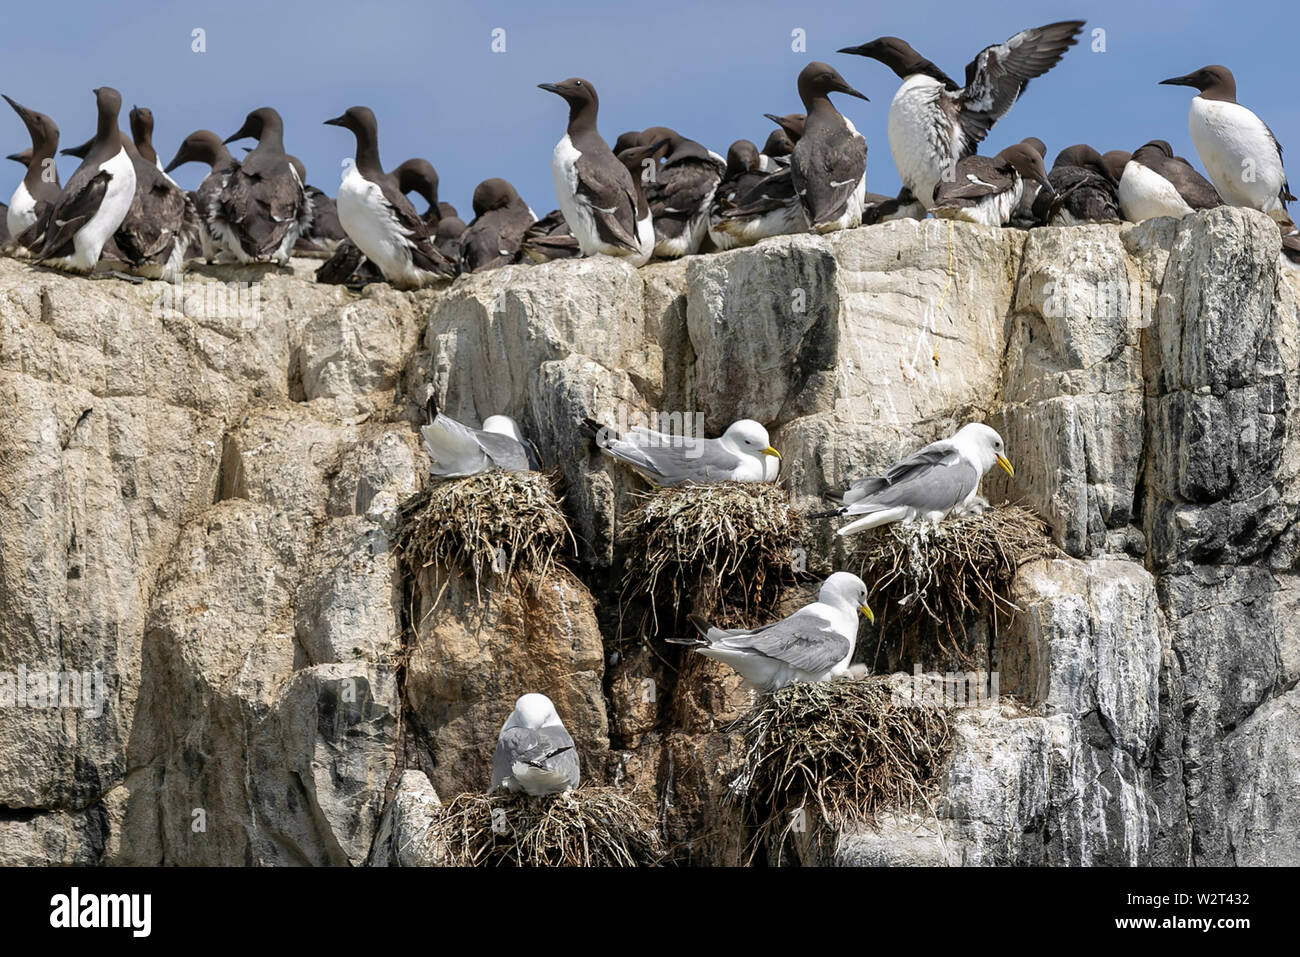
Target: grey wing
504	451
805	641
927	488
668	460
1285	194
770	193
933	454
999	74
543	747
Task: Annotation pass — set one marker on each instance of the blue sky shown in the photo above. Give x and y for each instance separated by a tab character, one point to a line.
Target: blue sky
708	69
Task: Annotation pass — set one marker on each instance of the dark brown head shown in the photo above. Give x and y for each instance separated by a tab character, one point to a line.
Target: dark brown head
1037	145
201	146
418	176
258	124
1115	161
22	156
792	125
1083	156
818	80
1026	161
778	144
581	97
492	194
627	141
357	119
141	119
899	56
1213	82
42	129
742	157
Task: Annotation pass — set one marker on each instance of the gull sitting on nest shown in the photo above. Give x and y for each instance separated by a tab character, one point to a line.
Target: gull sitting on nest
940	479
814	644
744	453
457	450
535	753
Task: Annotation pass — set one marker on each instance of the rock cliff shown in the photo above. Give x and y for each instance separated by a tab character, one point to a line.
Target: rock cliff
198	491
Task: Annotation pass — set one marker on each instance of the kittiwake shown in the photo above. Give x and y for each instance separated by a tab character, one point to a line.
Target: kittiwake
534	754
744	453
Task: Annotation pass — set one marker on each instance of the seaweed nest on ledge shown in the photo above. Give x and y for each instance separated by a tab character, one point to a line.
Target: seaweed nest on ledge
823	757
722	551
922	572
586	827
498	522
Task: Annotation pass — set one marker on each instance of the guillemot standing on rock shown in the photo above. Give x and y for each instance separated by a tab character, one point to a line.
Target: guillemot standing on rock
379	218
1115	161
501	218
744	171
637	160
1085	191
1022	217
141	122
1156	183
546	239
1240	153
829	162
596	192
204	146
987	189
262	208
97	198
38	190
680	195
933	122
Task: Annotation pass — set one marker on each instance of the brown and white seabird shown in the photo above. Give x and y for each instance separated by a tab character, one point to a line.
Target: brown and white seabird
776	152
744	171
1156	183
595	191
1022	217
933	122
379	218
680	193
829	162
1240	153
548	238
97	198
204	146
38	190
501	218
262	208
986	189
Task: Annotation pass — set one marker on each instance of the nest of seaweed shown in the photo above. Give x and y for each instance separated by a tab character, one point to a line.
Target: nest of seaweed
823	757
921	572
497	523
722	551
586	827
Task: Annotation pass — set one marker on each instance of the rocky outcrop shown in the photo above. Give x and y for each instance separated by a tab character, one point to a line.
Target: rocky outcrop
198	494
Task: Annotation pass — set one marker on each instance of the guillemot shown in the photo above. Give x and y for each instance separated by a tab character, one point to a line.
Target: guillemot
680	194
417	175
829	162
379	218
1156	183
140	120
204	146
493	237
638	160
97	198
744	171
933	122
986	189
262	208
595	191
38	190
1022	217
1240	153
1085	191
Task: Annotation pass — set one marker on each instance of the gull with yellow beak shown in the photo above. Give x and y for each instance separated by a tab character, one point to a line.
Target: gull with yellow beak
943	476
744	453
814	644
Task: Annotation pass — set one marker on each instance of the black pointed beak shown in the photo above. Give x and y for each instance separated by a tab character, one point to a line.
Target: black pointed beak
843	87
1044	182
549	88
243	134
773	117
17	158
860	50
177	160
337	121
1178	81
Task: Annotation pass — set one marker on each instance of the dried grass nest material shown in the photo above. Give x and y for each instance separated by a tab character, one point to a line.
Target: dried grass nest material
723	551
586	827
499	523
822	757
943	571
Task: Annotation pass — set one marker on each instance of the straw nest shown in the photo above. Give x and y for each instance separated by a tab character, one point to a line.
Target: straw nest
923	573
586	827
497	523
722	551
823	757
